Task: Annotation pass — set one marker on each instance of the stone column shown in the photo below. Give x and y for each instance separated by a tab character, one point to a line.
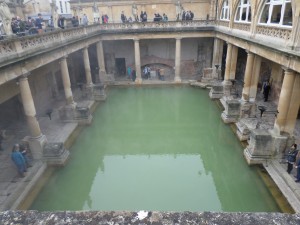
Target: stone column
29	107
101	63
228	64
217	56
137	57
66	82
294	107
248	77
234	54
177	78
255	78
87	66
284	100
37	139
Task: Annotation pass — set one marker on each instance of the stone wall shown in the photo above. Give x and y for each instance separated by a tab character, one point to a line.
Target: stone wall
144	217
196	54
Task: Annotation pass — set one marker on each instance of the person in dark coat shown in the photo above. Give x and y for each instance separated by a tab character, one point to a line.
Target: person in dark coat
291	158
267	89
18	160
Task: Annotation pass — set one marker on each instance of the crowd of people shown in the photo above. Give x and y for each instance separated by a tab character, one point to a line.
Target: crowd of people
22	27
187	15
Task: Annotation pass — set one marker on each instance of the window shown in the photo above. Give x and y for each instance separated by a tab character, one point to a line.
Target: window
61	8
225	11
277	12
66	7
243	13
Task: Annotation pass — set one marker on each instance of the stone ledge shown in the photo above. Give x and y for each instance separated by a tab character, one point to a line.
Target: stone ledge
124	217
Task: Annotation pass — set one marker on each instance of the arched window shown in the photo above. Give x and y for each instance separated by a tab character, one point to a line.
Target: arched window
243	12
277	12
225	11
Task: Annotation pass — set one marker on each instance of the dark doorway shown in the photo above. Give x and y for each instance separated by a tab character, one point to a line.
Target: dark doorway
120	66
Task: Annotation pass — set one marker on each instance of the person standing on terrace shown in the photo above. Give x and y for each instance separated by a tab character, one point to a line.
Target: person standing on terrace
39	23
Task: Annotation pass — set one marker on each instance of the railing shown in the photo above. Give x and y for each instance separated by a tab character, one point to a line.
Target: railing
242	26
276	32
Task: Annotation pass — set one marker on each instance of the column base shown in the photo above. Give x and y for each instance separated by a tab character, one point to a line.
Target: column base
177	80
96	92
231	113
138	81
79	115
36	145
229	119
216	91
244	127
248	109
260	148
55	154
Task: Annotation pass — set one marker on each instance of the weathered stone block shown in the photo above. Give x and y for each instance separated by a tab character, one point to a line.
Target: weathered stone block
81	115
216	91
260	147
232	111
55	154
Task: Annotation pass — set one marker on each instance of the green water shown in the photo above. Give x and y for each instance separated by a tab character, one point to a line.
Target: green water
157	149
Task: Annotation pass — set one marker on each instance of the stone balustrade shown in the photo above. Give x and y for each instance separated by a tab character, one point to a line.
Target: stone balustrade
275	32
23	46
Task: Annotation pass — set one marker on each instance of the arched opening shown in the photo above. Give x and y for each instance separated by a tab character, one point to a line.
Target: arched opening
243	12
225	12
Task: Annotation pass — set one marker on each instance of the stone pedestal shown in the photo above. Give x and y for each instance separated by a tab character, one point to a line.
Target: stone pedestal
244	127
248	109
216	91
98	92
232	111
107	78
36	145
260	147
76	114
55	154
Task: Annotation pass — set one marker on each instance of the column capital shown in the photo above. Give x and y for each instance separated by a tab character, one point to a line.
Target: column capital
86	47
287	70
178	38
249	52
24	75
64	57
136	39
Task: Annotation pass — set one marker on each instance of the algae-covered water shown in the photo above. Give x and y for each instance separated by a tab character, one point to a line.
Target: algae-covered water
157	148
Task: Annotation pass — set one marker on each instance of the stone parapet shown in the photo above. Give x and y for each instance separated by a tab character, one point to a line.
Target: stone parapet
145	217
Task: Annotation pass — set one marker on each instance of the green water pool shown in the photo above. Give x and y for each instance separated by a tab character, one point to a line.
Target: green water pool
157	148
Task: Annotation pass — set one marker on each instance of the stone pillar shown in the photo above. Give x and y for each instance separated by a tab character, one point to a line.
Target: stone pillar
234	54
177	78
138	79
87	66
66	82
54	87
294	107
217	56
37	139
29	107
228	65
284	100
101	63
248	77
255	78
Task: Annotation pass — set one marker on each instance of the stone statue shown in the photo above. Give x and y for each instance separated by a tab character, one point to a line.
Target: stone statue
179	10
5	17
54	13
134	11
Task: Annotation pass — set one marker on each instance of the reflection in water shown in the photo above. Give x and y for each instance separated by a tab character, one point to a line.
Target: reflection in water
156	149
